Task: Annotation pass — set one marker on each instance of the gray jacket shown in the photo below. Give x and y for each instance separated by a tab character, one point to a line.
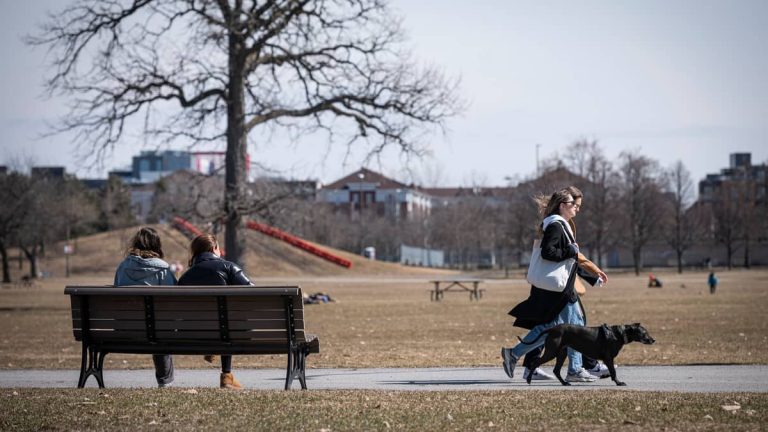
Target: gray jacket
135	270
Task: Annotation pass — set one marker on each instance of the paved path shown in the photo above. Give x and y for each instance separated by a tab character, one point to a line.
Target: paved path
645	378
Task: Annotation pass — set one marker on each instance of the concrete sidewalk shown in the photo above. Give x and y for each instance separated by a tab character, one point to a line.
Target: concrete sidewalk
696	379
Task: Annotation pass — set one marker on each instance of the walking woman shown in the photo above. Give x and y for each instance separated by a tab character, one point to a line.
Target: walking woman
206	267
144	265
544	309
588	272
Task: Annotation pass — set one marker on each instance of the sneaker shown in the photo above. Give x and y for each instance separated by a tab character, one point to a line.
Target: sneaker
538	375
509	361
581	376
164	385
600	370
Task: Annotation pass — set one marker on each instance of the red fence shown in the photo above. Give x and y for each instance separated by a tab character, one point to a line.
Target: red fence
299	243
188	229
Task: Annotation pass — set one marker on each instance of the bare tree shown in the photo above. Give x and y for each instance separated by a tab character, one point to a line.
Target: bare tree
587	159
747	192
641	198
681	232
15	196
211	71
116	211
726	215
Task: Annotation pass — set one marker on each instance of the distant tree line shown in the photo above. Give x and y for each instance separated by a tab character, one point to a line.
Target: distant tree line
629	203
39	211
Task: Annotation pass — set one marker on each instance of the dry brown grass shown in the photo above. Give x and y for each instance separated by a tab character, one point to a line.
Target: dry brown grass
365	410
390	322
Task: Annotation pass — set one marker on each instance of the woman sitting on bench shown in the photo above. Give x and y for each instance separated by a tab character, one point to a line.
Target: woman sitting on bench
206	267
144	265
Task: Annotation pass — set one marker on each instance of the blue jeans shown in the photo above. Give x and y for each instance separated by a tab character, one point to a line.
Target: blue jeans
571	314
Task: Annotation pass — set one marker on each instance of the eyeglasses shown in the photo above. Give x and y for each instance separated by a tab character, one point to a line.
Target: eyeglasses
578	206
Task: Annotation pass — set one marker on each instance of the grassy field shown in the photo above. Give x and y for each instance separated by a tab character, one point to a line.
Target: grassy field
381	322
390	322
208	409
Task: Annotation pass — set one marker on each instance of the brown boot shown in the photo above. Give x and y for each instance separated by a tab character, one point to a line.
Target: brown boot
210	358
228	381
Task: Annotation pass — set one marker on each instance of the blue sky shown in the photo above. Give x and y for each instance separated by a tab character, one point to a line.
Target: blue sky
674	79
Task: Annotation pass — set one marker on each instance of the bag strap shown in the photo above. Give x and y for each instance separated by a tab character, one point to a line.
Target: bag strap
567	232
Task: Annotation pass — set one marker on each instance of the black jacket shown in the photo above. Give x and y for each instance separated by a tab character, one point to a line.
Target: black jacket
209	269
543	306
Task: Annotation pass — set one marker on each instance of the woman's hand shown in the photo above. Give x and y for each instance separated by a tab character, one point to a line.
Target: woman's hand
602	276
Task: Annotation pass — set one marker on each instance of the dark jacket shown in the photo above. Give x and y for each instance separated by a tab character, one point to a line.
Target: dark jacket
543	306
209	269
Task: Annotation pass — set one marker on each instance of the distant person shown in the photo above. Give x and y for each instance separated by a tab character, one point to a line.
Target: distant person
206	267
653	281
178	268
712	281
144	265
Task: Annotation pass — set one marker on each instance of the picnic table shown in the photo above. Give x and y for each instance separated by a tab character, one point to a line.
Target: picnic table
441	286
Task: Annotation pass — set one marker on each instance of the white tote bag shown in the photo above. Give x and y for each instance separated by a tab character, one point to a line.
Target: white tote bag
548	275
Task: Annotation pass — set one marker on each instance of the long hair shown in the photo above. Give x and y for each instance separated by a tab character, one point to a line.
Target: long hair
547	206
200	244
551	205
146	244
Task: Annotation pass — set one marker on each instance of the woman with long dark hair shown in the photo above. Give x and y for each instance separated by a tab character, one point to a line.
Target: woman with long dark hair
144	265
206	267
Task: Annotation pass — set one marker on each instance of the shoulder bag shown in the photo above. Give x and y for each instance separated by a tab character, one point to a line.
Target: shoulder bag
548	275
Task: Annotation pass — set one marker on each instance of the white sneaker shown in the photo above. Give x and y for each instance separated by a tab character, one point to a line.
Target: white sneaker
538	375
581	376
600	370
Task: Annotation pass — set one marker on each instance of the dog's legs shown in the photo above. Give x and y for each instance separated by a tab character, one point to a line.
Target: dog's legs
548	355
561	355
612	370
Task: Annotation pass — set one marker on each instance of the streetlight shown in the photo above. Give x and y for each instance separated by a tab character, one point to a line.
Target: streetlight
361	177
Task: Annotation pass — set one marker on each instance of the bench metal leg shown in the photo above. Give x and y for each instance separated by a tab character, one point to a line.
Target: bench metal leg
92	363
296	367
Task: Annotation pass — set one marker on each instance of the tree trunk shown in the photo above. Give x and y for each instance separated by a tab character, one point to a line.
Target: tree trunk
6	269
680	261
235	189
636	258
747	258
32	258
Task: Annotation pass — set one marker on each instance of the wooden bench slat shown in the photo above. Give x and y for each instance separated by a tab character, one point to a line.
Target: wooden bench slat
110	314
169	304
108	302
106	335
235	303
97	324
233	315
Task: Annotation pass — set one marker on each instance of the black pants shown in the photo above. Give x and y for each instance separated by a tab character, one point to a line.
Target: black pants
587	362
226	364
163	368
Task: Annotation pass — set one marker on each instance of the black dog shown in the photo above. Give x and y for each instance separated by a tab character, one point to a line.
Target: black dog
603	343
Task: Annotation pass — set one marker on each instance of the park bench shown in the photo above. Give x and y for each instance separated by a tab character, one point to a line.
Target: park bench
196	320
